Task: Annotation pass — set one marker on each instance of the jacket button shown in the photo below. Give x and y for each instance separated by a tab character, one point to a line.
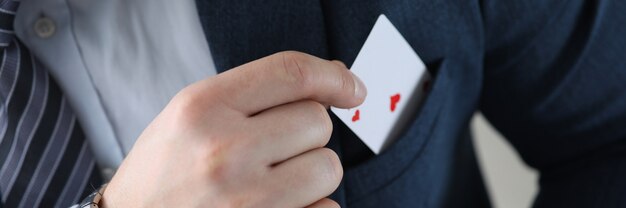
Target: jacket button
44	27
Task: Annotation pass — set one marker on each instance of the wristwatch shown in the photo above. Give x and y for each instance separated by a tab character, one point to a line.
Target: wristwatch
93	199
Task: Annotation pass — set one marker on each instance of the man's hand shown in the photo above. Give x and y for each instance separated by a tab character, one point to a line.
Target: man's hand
253	136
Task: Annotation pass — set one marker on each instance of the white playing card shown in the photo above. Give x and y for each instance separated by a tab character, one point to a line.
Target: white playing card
396	81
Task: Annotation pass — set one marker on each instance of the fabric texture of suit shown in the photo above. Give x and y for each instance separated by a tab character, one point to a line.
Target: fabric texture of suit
549	75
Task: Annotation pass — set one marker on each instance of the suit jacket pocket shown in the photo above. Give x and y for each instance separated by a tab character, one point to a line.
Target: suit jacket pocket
373	174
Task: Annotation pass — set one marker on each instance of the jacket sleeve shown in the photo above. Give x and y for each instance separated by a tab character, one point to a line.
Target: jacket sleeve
555	87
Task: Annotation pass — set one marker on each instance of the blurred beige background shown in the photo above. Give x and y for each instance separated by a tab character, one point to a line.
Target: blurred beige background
510	182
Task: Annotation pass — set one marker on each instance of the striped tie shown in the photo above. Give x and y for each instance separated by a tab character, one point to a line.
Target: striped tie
44	158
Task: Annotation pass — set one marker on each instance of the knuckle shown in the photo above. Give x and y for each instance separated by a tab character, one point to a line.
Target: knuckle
295	68
184	106
333	204
326	125
333	171
321	122
190	105
346	82
186	96
215	159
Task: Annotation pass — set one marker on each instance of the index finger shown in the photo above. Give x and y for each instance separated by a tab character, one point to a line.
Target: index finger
287	77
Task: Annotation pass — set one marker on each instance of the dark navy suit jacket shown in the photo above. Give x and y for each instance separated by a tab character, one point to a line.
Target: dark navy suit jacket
549	75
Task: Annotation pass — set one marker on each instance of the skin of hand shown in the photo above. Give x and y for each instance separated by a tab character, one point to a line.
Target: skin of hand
253	136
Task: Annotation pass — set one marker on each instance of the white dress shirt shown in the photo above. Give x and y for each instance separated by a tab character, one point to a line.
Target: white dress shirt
118	62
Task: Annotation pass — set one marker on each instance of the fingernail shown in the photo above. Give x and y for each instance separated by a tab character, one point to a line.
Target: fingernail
359	88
